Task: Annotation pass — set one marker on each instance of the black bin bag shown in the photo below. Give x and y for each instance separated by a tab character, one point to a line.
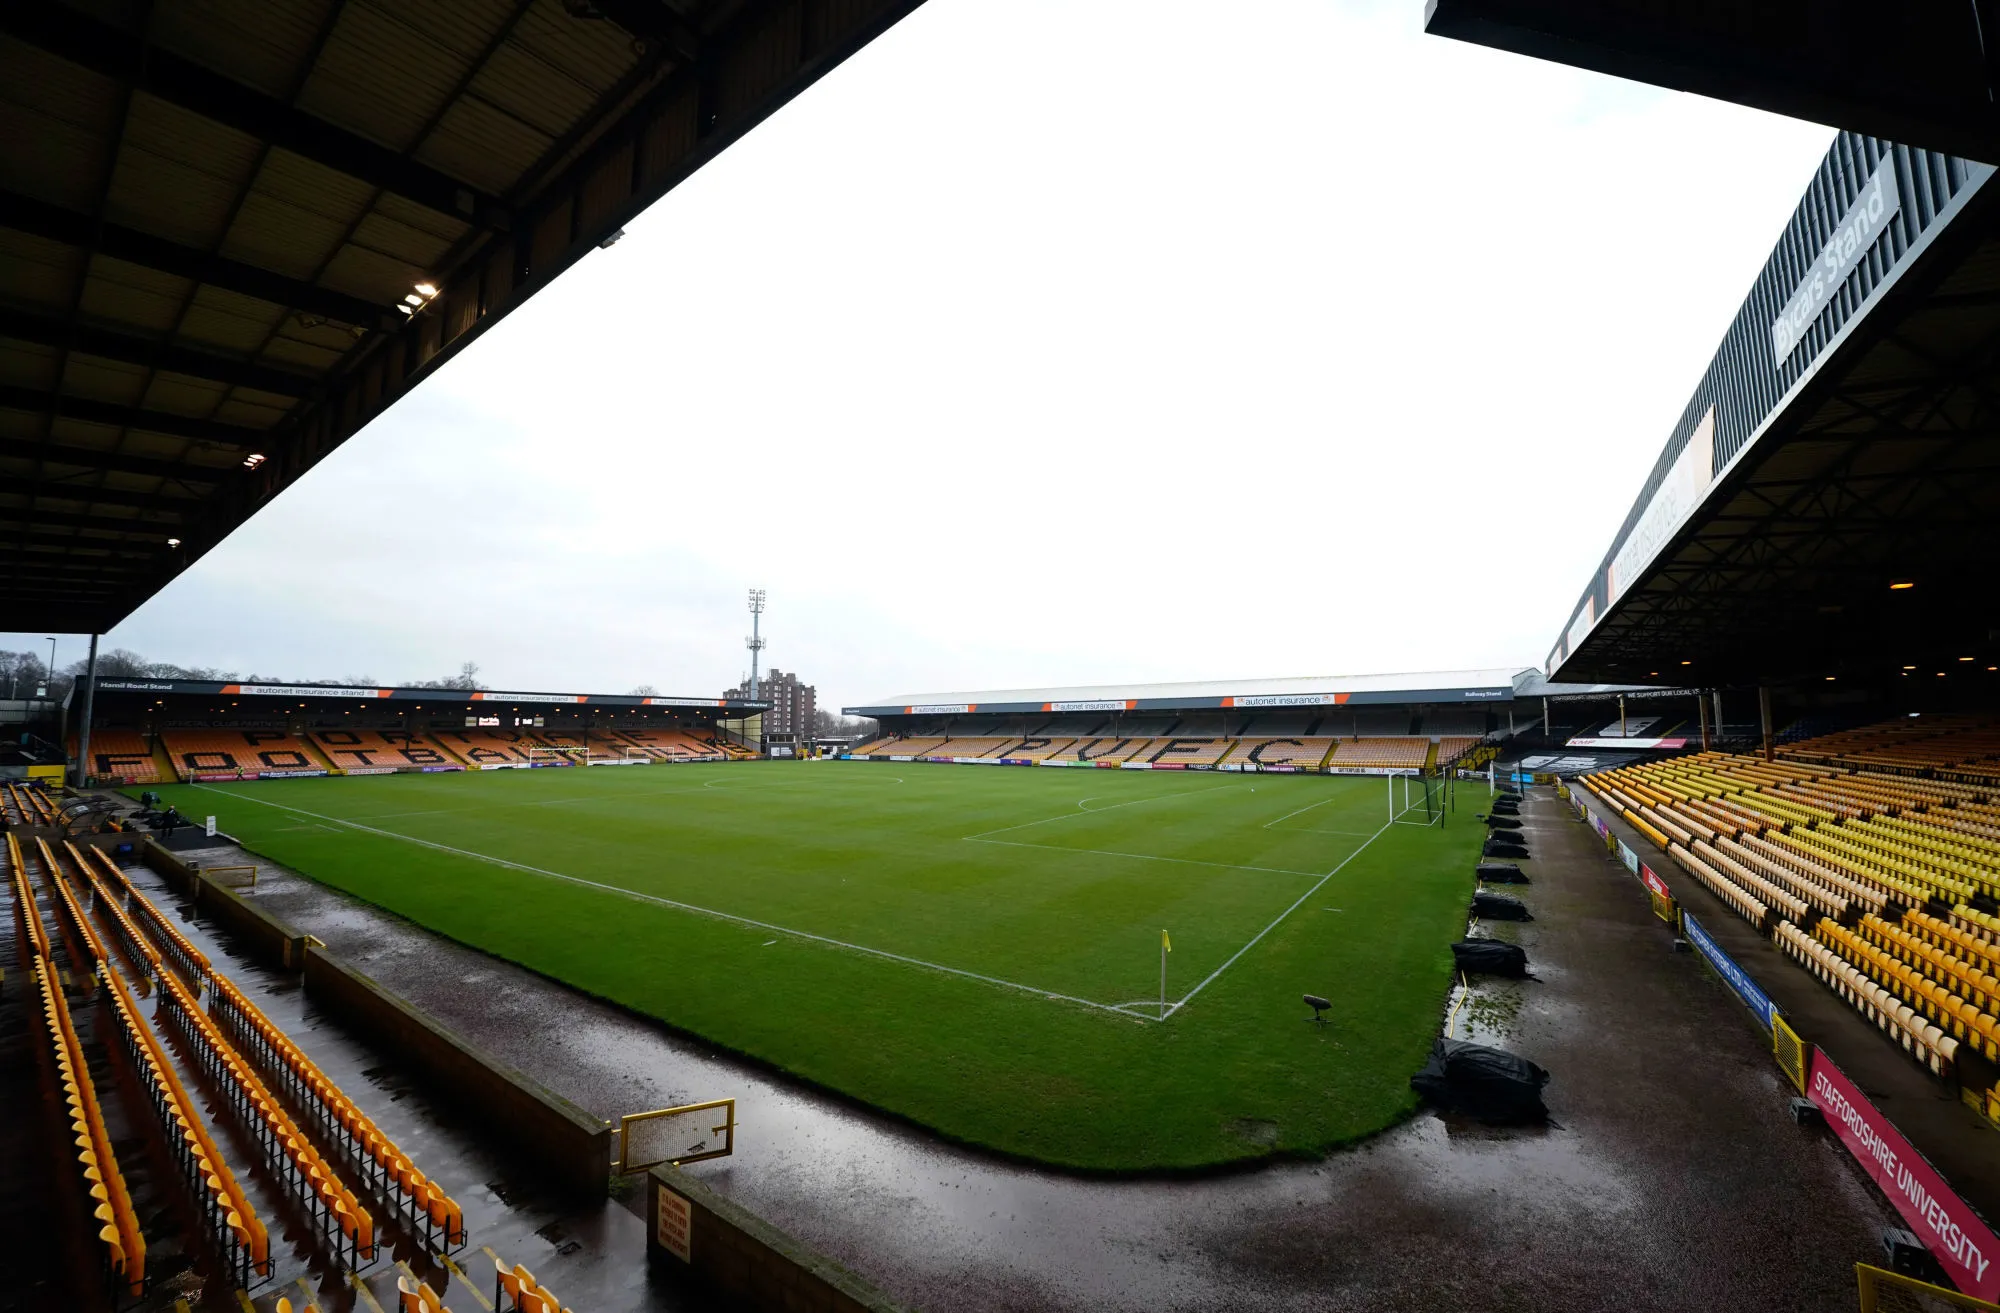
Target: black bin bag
1500	873
1499	907
1484	1082
1489	957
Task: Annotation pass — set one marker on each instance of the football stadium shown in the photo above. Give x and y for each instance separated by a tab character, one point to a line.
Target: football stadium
1662	974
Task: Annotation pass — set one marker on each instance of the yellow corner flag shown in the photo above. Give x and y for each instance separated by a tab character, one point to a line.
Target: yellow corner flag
1166	944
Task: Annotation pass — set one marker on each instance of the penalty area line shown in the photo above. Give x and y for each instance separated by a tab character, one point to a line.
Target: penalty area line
1092	811
1139	857
636	896
1189	996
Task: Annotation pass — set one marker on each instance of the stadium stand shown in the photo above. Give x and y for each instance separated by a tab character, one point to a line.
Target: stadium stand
367	751
1394	753
1186	751
488	747
1035	748
1107	750
1452	748
1867	878
661	745
1299	753
238	754
122	756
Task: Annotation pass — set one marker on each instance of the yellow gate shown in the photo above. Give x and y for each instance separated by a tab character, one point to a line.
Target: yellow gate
1789	1050
1883	1291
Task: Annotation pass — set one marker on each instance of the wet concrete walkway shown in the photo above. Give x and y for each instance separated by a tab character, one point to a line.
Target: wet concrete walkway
1671	1178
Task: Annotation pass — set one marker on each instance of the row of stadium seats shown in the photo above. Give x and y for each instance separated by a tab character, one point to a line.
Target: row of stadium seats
97	1162
385	1167
1862	989
287	1150
239	1232
27	805
1964	745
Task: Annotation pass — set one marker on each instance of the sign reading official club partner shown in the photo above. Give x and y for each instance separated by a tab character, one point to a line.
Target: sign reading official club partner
1864	221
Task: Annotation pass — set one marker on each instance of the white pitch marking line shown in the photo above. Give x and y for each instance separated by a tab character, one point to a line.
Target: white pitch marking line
1142	857
1189	996
1288	815
1066	816
679	906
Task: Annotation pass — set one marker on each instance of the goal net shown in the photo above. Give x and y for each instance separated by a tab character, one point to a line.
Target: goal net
1418	799
539	756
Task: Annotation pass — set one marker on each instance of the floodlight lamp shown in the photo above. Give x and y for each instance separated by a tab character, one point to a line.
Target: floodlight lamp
413	299
1898	585
173	542
1965	658
403	308
1909	667
427	290
1829	679
253	460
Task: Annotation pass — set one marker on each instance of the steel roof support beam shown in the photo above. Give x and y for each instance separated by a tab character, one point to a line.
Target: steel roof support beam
129	349
57	224
99	460
59	491
81	39
15	518
132	417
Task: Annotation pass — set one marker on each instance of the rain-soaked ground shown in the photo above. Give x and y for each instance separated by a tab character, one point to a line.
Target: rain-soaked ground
1670	1177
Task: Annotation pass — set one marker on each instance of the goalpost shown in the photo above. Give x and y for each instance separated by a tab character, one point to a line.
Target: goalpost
540	756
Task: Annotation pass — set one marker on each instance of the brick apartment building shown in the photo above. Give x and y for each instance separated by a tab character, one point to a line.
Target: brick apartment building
792	704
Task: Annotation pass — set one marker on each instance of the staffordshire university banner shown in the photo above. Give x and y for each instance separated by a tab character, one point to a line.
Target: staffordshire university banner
1955	1236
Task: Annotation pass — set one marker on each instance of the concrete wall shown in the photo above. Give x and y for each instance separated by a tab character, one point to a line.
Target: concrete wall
750	1264
560	1142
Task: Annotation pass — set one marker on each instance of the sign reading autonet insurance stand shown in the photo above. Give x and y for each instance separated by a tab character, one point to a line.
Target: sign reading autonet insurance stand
1955	1236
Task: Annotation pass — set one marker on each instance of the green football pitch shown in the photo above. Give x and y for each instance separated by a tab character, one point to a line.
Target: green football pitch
976	950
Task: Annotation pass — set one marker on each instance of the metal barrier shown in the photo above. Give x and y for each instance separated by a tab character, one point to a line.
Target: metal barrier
646	1139
1883	1291
232	877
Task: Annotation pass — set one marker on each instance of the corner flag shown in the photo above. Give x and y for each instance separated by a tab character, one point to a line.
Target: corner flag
1166	944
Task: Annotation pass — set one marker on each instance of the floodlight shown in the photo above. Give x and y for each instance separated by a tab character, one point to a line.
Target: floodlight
427	290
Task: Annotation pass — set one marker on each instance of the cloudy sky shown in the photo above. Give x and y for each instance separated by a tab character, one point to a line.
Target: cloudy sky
1053	341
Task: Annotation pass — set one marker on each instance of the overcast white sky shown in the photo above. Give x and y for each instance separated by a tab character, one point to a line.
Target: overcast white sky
1053	341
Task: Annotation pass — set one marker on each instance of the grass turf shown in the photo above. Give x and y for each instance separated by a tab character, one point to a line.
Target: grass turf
1048	889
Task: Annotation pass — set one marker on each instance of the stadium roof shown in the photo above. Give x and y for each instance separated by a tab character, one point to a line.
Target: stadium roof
232	232
1825	506
1305	691
1906	71
471	698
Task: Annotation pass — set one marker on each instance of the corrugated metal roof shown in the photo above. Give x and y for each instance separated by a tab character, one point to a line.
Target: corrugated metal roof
1414	684
211	211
